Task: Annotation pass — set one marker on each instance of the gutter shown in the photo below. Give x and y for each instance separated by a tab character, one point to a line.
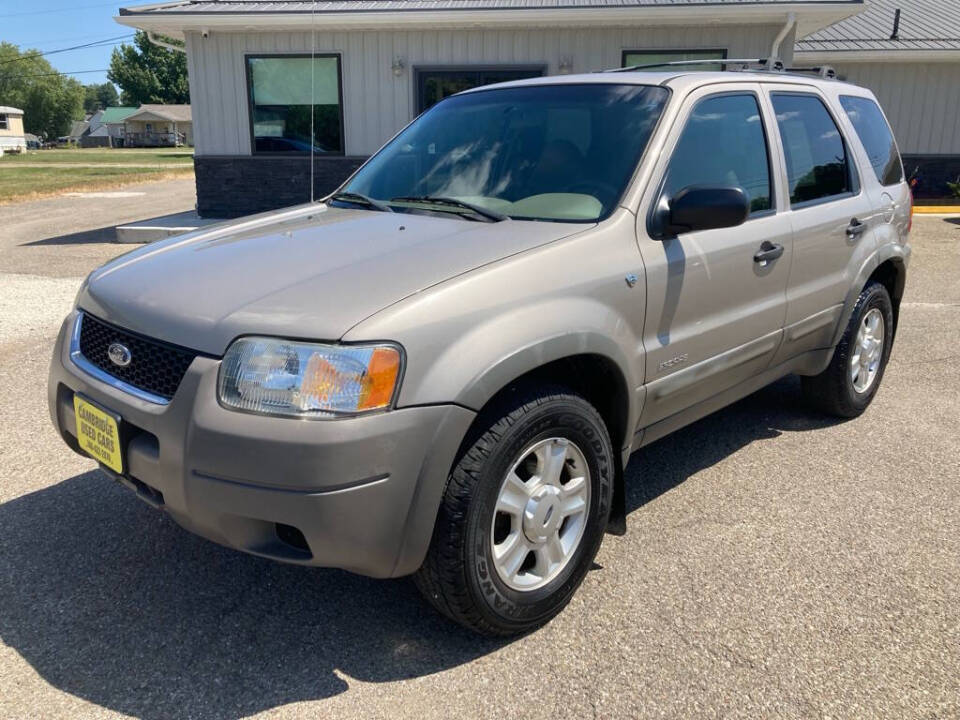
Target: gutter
838	57
176	18
778	41
164	44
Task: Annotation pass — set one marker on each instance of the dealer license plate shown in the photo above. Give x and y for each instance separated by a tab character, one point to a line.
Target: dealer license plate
99	433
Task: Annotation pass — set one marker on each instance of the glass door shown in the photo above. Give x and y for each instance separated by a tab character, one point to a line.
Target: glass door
433	85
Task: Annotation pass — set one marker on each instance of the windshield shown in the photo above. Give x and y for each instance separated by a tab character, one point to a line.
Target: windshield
543	152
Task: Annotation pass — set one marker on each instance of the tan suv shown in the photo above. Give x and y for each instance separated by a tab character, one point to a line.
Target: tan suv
442	369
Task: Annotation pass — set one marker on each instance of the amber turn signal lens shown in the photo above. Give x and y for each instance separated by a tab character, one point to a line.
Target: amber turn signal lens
380	379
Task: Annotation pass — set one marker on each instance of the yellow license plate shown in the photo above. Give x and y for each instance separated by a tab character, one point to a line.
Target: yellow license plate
98	434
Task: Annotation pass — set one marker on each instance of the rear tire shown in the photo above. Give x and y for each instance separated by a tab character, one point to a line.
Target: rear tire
849	384
523	514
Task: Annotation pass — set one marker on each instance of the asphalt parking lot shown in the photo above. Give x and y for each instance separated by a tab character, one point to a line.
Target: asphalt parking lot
777	564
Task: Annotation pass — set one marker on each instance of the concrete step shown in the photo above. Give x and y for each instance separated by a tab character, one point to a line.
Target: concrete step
145	231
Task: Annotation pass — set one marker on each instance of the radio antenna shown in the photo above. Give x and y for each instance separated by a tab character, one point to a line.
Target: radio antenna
313	99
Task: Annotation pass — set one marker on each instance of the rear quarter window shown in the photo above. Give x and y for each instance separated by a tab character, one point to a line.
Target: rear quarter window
876	136
819	168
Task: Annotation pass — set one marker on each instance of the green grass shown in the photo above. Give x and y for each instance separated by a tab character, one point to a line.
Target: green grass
148	156
26	183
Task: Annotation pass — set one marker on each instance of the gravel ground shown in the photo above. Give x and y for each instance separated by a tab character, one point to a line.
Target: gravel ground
777	564
67	236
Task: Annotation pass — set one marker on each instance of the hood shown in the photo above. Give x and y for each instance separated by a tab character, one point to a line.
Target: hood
311	272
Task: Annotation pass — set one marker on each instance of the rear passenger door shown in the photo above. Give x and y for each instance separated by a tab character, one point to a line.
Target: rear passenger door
830	215
714	310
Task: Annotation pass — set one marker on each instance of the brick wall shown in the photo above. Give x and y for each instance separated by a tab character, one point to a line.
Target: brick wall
931	173
232	186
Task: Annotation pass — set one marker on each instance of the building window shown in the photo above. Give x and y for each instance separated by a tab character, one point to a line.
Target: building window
284	107
652	57
3	122
434	84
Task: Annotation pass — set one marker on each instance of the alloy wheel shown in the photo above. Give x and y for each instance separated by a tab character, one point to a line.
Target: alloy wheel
868	351
540	514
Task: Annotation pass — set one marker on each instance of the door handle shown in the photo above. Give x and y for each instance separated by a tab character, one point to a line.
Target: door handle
767	252
856	228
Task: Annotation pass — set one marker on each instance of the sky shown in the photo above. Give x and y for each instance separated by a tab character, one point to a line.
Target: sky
54	24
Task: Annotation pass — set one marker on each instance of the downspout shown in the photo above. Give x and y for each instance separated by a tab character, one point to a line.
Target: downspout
775	50
163	43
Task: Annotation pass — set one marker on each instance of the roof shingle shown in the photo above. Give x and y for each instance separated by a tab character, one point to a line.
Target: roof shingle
174	113
924	25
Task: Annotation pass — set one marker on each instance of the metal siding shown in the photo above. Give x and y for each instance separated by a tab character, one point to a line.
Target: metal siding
376	104
920	100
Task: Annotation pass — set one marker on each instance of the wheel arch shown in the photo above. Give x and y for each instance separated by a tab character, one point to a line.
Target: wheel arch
597	378
888	266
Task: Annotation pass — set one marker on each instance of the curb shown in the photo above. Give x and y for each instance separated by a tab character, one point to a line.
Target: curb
936	209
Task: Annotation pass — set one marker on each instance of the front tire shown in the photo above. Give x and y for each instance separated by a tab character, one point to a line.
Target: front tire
848	385
523	514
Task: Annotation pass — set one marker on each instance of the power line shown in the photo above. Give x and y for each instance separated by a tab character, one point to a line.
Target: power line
96	43
69	38
58	10
50	74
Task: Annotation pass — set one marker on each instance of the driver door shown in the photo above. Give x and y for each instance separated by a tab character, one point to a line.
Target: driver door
714	312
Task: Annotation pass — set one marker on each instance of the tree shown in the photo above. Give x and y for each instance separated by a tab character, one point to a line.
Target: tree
98	97
50	100
147	73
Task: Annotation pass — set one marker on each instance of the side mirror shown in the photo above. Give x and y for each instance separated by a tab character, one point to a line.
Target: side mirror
700	207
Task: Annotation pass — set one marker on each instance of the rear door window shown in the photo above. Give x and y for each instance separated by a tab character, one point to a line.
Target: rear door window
876	136
724	143
818	164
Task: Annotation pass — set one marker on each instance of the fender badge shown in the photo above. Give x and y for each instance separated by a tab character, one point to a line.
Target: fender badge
672	362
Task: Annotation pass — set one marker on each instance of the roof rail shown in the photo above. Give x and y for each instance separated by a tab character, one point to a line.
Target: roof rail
744	64
827	72
758	65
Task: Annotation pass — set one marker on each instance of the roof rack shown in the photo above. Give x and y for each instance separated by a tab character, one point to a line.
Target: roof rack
744	64
758	65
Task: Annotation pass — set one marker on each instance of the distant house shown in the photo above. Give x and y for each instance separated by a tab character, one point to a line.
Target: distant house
908	53
78	129
159	126
11	130
107	127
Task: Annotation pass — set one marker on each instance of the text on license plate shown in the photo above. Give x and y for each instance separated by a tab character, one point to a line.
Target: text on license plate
98	434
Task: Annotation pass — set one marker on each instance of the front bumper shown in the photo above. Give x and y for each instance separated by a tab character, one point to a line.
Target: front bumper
362	492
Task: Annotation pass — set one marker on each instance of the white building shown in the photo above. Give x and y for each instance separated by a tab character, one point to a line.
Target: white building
378	63
908	53
12	139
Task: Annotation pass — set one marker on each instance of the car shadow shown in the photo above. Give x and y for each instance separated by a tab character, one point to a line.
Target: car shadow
764	415
109	600
86	237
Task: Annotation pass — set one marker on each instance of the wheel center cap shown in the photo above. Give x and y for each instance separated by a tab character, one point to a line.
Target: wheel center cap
541	516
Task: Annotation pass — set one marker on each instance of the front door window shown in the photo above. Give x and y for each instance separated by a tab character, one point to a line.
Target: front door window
434	85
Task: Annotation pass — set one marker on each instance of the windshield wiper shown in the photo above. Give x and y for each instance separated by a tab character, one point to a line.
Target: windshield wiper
358	199
491	215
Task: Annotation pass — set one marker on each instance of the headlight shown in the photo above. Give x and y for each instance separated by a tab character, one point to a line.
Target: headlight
282	377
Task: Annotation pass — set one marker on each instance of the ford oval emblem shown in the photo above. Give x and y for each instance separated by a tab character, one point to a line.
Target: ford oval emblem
119	354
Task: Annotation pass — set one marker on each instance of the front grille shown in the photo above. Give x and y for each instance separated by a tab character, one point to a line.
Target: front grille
155	367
